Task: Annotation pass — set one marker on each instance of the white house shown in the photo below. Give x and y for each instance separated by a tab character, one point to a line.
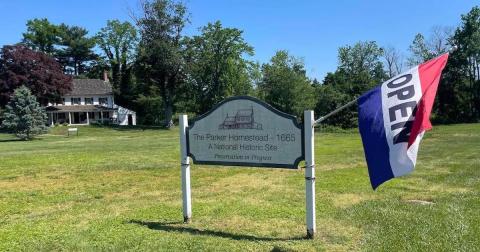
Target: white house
89	101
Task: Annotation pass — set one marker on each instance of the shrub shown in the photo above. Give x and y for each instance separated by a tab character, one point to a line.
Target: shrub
24	116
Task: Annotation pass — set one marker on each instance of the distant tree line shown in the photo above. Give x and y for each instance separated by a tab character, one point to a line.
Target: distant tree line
158	71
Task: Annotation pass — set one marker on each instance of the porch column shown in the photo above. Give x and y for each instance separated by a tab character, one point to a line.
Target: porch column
88	119
101	115
51	118
69	117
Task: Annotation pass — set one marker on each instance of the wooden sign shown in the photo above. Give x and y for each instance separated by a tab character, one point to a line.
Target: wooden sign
244	131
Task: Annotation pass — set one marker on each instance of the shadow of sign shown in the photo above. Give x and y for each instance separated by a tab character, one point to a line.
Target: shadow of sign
173	227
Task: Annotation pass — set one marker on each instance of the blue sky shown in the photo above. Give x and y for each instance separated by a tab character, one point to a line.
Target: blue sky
312	30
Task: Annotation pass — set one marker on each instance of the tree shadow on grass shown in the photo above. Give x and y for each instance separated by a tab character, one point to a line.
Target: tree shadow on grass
129	127
11	140
173	227
16	139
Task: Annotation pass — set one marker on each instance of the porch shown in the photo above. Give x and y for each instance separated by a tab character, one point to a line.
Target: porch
80	115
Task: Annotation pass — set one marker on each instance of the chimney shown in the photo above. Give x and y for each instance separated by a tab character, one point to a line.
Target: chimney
105	76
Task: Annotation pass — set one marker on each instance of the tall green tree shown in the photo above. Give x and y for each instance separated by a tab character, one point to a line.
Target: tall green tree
360	69
118	42
216	65
160	59
41	36
419	51
423	49
24	116
285	85
76	49
459	91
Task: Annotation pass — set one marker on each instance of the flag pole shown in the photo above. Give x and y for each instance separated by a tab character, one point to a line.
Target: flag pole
323	118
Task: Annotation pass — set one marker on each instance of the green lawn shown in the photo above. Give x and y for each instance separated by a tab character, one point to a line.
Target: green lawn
119	189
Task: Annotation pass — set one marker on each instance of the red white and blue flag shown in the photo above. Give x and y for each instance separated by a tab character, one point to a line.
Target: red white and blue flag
393	118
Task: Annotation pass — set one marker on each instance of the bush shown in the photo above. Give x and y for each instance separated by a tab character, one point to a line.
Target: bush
23	115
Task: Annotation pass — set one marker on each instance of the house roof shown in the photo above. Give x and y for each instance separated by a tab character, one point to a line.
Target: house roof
79	108
90	87
244	112
229	120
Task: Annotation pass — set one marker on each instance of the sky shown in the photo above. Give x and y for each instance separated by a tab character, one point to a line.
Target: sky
312	30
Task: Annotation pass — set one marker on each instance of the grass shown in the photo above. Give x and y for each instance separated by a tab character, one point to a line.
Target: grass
119	189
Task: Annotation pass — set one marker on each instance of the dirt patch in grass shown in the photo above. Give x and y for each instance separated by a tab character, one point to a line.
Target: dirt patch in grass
420	202
345	200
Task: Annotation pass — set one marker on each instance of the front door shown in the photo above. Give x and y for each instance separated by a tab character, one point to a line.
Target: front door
76	118
130	120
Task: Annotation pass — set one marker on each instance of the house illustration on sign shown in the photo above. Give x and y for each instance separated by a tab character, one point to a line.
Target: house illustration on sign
243	119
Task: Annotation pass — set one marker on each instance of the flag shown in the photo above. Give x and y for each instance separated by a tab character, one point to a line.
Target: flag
393	118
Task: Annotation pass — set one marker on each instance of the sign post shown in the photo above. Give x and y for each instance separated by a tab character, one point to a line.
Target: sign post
244	131
185	166
310	172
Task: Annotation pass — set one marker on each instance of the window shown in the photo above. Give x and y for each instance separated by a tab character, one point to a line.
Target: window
75	101
103	101
88	101
106	115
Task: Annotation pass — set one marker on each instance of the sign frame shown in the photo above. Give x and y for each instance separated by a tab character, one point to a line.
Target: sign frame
293	118
307	154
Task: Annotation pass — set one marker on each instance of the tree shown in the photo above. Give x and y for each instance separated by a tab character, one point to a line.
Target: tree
23	115
459	91
419	50
41	36
438	42
76	49
360	69
216	65
423	49
361	66
118	41
393	61
37	71
160	53
285	85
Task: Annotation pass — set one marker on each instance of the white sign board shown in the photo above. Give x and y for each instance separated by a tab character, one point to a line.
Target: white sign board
244	131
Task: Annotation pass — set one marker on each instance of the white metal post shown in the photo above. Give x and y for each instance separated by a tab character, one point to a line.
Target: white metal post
185	165
309	122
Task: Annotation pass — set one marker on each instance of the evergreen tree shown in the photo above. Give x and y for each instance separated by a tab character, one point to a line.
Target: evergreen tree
76	52
23	115
41	36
